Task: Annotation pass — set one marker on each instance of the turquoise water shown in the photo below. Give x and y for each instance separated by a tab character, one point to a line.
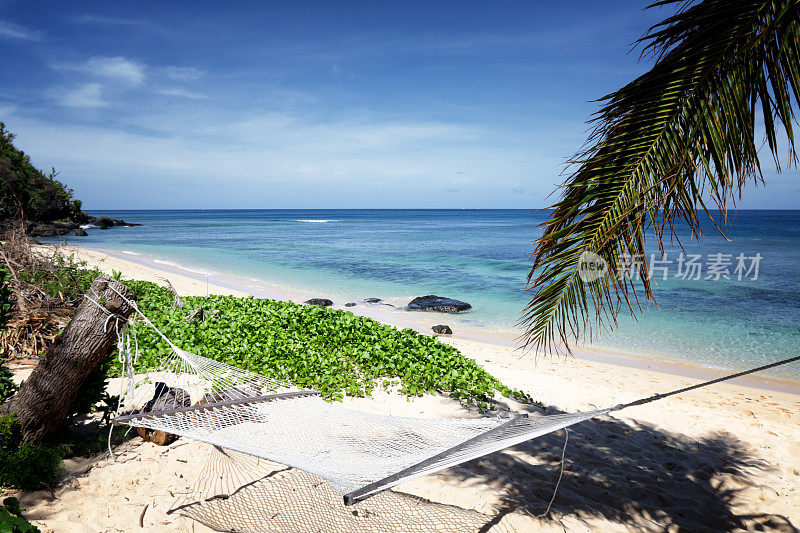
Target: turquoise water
481	256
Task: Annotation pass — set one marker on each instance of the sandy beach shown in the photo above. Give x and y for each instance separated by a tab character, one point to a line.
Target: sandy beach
725	457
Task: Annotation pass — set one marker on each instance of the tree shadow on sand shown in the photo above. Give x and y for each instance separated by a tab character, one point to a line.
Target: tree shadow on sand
627	472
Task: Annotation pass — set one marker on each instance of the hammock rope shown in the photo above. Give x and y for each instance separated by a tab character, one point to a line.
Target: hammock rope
661	396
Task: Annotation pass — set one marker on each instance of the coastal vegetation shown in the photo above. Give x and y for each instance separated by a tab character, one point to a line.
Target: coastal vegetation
11	519
39	202
666	148
22	465
26	192
332	351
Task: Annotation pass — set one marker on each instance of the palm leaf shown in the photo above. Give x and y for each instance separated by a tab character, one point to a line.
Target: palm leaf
673	142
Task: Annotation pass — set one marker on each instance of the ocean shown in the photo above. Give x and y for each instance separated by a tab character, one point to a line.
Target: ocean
741	311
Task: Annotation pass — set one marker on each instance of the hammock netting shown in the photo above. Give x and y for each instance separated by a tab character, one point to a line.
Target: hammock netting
242	493
360	454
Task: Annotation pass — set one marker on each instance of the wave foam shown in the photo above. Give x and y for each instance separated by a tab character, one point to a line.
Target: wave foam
168	263
315	220
181	267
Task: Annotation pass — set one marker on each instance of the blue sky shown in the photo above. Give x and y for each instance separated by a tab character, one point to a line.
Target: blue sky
316	105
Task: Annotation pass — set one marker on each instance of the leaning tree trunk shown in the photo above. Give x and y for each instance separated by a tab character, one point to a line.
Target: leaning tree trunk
44	400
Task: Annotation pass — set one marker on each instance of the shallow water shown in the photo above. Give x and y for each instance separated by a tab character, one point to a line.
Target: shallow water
481	256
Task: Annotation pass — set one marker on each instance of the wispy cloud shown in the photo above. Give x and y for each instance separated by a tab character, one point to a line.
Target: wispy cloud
119	69
116	68
86	95
273	158
183	73
96	20
181	93
518	190
9	30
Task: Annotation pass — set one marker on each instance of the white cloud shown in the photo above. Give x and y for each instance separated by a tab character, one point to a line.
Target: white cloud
277	159
9	30
182	93
96	20
86	95
183	73
116	68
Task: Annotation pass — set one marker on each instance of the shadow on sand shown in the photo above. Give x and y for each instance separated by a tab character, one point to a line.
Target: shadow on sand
630	473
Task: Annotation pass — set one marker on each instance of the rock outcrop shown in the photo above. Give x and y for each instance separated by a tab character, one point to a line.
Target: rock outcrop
441	304
322	302
65	227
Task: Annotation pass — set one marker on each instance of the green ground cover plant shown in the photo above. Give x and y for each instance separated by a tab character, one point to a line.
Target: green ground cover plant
332	351
11	519
30	466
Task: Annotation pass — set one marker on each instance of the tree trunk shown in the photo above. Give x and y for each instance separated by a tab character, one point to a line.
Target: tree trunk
44	400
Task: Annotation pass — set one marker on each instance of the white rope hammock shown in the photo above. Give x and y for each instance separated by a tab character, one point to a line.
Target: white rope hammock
360	454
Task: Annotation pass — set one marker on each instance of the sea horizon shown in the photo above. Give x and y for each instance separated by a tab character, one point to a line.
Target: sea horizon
480	256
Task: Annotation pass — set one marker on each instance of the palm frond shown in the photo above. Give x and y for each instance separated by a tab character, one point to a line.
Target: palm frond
676	141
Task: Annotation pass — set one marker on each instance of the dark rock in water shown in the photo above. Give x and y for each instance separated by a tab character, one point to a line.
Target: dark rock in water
442	329
432	302
350	304
118	222
372	300
64	227
80	232
323	302
104	222
51	229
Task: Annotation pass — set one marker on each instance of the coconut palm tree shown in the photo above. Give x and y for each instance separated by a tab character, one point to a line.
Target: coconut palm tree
673	144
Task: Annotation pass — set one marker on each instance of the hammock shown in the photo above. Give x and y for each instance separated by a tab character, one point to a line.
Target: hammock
359	454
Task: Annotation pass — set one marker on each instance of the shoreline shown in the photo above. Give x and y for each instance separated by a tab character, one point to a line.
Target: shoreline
204	282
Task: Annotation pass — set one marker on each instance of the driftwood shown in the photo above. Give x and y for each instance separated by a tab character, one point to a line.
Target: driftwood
44	400
198	315
178	303
30	334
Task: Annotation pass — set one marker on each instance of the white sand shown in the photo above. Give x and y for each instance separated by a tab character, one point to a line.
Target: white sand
720	458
